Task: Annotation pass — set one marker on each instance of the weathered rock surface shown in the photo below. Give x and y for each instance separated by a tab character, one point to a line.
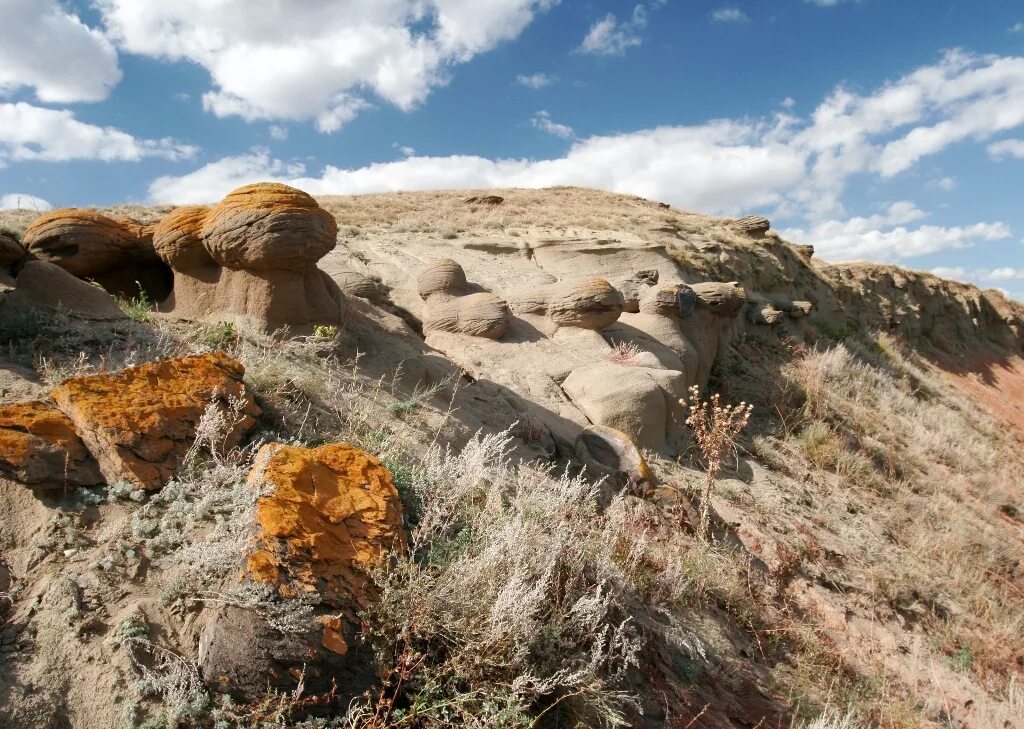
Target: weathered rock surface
588	303
12	254
39	448
139	423
332	515
251	259
449	308
612	455
754	226
353	283
115	252
42	284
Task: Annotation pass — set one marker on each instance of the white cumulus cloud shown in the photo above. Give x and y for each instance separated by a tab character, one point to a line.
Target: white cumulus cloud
535	80
610	36
316	60
30	132
729	15
1006	148
21	201
45	47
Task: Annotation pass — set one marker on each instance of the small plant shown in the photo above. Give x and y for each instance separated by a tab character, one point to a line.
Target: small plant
715	428
625	353
219	336
325	332
138	308
23	324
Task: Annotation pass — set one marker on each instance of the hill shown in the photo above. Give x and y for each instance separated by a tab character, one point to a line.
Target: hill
519	364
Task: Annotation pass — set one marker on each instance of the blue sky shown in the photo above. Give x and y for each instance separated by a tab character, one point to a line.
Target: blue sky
872	128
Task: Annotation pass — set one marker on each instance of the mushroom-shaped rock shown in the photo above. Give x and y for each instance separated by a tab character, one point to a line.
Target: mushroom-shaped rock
268	227
40	449
675	300
588	303
251	259
330	517
611	454
763	312
806	252
115	252
443	286
798	309
754	226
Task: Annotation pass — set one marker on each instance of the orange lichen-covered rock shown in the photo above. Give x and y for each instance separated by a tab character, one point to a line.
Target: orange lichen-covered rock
39	448
331	517
139	423
251	259
115	252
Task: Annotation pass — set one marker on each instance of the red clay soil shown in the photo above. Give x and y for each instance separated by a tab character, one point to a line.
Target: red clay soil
996	384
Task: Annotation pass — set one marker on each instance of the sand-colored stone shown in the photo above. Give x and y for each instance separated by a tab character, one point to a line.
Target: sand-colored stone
39	448
331	517
612	455
449	308
139	423
44	285
589	303
251	260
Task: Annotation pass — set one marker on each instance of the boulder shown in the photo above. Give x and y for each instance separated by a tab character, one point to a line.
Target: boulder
588	303
42	284
612	455
139	423
251	259
331	516
39	448
754	226
633	288
353	283
449	308
722	299
115	252
641	402
763	312
484	200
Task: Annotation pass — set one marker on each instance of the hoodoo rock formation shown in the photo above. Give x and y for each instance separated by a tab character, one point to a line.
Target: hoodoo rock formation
115	252
251	260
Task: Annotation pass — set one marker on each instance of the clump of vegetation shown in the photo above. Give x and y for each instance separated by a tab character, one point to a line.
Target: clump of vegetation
715	428
509	605
625	353
137	308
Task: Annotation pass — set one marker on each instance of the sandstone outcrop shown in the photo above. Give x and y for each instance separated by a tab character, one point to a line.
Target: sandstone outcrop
44	285
39	448
353	283
139	423
251	259
115	252
451	308
332	515
754	226
640	401
633	288
588	303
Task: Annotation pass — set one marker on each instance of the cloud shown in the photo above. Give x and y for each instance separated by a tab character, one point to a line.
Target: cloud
729	15
795	168
49	49
278	132
828	3
1003	273
612	37
788	103
885	236
946	184
316	60
33	133
535	80
21	201
1017	27
542	120
212	181
719	167
1006	148
405	150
